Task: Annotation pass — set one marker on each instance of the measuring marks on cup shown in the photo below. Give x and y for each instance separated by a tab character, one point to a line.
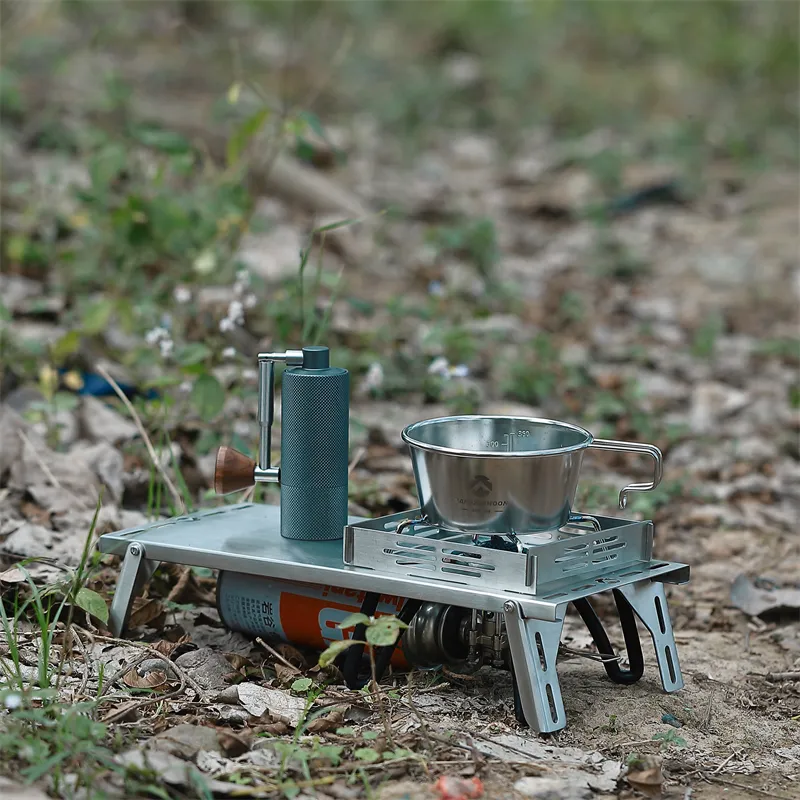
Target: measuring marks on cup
507	442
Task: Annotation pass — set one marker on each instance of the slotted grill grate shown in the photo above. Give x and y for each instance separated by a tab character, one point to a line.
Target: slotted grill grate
541	563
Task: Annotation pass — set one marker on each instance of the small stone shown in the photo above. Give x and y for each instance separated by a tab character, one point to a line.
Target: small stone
655	309
107	464
207	667
102	423
712	402
185	741
473	151
273	255
553	788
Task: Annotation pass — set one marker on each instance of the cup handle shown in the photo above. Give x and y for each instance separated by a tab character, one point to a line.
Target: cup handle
634	447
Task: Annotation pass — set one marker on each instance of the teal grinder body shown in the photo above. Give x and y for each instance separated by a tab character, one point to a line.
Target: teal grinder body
315	423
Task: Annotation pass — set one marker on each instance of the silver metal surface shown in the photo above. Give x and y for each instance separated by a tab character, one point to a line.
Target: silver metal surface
549	565
246	538
649	601
136	570
534	643
504	474
265	472
632	447
266	411
425	643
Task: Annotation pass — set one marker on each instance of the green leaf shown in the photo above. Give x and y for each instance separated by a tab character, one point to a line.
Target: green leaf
367	754
244	133
5	314
66	346
313	122
193	353
346	731
34	772
92	603
351	620
334	225
329	655
369	735
208	396
96	317
302	685
290	789
384	631
160	139
333	752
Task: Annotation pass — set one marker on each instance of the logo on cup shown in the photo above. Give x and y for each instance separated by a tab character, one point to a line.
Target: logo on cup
481	486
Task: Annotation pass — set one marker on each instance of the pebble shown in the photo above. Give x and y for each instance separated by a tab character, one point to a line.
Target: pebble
712	402
552	788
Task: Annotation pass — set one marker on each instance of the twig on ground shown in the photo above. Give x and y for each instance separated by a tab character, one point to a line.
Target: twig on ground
153	653
726	782
275	653
42	463
422	726
356	458
783	676
176	495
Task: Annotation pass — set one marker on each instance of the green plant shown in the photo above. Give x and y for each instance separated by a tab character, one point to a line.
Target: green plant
475	240
705	338
669	737
380	631
535	372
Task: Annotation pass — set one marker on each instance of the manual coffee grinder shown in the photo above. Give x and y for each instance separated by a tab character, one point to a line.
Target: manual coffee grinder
482	572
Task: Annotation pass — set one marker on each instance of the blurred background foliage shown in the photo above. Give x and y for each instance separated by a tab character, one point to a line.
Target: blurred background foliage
157	124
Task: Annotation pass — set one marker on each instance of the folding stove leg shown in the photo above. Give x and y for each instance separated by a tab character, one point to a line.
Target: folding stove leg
649	601
136	571
534	650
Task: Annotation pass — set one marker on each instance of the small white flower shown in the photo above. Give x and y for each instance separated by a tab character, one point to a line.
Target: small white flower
250	301
373	380
243	277
461	371
205	262
166	346
436	289
249	375
229	352
226	325
182	294
185	387
156	335
236	312
439	366
12	701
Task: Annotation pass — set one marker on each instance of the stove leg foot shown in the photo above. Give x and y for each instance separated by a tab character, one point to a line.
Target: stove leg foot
649	601
534	650
136	571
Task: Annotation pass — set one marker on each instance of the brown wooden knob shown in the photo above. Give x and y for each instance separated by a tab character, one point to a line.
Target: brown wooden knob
233	471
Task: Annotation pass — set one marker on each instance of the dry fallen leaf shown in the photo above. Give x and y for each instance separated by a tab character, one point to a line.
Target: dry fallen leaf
646	776
187	590
232	744
328	722
125	712
148	611
153	679
280	705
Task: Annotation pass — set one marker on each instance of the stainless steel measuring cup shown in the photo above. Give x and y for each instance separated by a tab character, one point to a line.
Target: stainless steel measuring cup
499	474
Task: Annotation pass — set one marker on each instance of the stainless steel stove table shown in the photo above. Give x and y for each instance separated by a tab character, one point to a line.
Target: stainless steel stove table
531	588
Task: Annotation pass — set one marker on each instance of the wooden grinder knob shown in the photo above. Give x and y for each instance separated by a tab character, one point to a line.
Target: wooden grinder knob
233	471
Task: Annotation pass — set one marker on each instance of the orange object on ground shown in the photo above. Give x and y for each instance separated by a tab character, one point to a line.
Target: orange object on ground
451	788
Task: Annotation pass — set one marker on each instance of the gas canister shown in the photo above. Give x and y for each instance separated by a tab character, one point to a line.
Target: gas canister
303	614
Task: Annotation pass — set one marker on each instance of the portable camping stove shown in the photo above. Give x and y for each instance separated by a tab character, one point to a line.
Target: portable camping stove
479	595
